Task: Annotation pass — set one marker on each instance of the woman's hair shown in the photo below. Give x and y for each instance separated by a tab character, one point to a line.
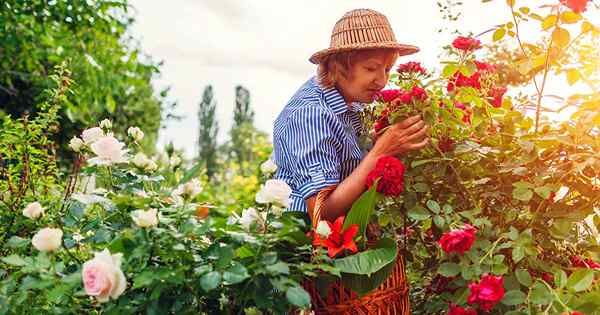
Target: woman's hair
339	64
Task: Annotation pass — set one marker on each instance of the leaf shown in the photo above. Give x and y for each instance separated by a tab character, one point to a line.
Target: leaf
449	269
540	294
362	209
210	280
371	260
573	76
549	22
235	274
524	277
363	284
192	172
439	221
561	36
518	253
580	280
433	206
524	10
449	70
499	34
17	242
543	191
14	260
523	194
560	278
298	296
418	213
514	297
279	268
570	17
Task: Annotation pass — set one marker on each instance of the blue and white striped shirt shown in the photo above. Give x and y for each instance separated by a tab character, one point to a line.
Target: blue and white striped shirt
315	141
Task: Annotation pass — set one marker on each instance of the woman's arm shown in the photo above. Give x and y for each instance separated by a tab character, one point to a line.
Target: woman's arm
407	135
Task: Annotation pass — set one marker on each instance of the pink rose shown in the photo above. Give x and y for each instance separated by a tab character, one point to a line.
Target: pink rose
458	241
487	293
457	310
102	276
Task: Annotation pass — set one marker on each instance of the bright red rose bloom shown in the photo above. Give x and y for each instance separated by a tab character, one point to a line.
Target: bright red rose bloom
390	172
406	98
418	93
576	261
466	43
457	310
577	313
484	66
460	80
577	6
497	93
458	241
487	293
411	67
389	95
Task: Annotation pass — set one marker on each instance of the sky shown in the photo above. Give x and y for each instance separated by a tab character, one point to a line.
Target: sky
265	45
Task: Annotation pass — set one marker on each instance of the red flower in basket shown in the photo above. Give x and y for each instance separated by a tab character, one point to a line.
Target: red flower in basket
337	240
458	241
457	310
577	6
466	43
390	170
487	293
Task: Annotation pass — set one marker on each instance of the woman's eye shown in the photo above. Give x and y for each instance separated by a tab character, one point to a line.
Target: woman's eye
371	69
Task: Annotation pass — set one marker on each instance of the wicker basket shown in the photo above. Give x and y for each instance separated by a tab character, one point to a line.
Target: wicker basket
391	297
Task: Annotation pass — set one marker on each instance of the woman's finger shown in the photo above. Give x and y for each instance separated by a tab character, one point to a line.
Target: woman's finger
419	135
408	122
411	129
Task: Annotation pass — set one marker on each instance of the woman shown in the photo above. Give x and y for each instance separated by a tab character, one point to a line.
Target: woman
316	135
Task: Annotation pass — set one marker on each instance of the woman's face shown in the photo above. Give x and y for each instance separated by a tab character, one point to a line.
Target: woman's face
368	74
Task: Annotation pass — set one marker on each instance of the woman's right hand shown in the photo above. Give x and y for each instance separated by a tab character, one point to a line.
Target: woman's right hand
407	135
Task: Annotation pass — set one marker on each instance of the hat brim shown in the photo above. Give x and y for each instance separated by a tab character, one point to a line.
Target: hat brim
402	49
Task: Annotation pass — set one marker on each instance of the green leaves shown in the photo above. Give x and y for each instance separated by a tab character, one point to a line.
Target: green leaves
369	261
449	269
210	280
513	297
298	296
540	294
580	280
14	260
524	277
418	213
362	209
561	37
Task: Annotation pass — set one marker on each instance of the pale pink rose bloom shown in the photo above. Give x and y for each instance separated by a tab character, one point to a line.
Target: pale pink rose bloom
108	151
92	134
47	239
102	276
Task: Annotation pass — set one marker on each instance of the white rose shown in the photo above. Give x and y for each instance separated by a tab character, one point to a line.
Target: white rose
33	210
275	191
188	190
92	134
106	124
250	216
144	219
76	144
136	133
175	161
108	150
323	229
102	276
47	239
268	167
140	160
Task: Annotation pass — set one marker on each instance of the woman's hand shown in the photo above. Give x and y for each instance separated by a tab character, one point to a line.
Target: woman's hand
407	135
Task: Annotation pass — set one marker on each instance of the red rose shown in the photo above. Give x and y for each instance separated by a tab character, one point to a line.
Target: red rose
418	93
466	43
577	6
411	67
460	80
576	313
406	98
457	310
446	144
497	93
484	66
381	123
389	95
390	170
547	277
487	293
576	261
458	241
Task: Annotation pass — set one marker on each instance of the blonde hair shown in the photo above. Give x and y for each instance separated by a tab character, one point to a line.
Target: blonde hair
337	65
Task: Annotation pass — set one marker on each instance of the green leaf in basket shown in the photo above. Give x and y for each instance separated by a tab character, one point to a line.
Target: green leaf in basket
362	209
369	261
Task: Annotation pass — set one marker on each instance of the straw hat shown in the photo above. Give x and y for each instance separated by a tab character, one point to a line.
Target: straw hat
362	29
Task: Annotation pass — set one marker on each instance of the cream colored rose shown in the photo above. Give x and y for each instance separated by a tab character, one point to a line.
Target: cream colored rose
91	135
102	276
136	133
108	151
268	167
47	239
145	219
106	124
275	191
76	144
250	216
323	229
188	190
33	210
140	160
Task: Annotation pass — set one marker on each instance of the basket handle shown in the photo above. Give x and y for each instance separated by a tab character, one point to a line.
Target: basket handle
317	210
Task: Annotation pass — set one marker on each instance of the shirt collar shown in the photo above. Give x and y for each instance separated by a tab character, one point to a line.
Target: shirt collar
336	101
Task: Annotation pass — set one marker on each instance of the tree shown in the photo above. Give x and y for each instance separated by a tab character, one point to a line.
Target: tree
243	127
208	129
112	78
